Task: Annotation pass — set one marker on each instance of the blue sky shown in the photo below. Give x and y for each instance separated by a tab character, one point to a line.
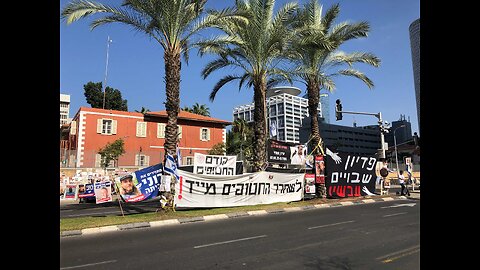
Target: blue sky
136	67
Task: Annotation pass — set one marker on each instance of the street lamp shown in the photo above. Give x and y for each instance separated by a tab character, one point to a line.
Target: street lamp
395	142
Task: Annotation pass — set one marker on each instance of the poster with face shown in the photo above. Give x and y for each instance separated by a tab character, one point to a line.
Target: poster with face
70	192
319	170
309	183
103	192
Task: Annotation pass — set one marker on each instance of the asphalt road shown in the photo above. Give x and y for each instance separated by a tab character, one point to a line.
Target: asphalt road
381	235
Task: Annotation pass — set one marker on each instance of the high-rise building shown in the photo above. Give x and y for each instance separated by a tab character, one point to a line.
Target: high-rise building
64	109
285	111
415	47
325	107
402	134
352	140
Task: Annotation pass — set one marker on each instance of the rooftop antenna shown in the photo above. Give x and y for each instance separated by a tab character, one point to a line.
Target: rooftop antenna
106	71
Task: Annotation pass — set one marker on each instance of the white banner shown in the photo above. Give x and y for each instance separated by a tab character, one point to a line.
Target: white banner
195	190
214	164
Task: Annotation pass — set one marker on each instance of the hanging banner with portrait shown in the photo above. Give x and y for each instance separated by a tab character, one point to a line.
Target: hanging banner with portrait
351	176
286	153
141	184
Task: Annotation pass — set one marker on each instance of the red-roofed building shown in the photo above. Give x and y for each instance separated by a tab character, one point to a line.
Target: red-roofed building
144	136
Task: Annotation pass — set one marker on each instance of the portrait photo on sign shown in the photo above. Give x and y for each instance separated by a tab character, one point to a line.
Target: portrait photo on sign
298	154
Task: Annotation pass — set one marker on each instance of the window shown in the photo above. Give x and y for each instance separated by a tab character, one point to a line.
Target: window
180	131
161	130
188	160
142	160
205	134
106	126
98	162
142	129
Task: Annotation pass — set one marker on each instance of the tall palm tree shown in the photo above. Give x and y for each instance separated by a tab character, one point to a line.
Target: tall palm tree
316	58
169	22
253	43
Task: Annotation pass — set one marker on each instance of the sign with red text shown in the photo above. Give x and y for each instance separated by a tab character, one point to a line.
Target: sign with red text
352	176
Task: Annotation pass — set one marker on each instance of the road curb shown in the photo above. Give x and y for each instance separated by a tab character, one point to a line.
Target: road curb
170	222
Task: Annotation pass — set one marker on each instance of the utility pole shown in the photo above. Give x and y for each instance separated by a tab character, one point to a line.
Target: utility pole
106	70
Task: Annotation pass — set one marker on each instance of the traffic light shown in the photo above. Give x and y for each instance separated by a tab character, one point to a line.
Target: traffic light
338	110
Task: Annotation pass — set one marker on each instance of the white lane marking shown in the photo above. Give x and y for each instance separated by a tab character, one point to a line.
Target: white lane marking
401	253
333	224
400	205
396	214
231	241
87	265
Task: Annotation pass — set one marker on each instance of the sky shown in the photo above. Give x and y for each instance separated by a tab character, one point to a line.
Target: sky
136	67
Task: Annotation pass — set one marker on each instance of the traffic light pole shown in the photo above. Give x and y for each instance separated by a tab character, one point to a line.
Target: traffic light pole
380	122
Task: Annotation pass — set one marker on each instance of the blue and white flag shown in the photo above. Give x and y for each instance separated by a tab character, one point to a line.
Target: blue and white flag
171	166
179	156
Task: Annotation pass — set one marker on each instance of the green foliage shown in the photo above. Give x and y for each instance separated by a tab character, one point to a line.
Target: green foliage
143	110
240	140
113	97
198	109
217	149
111	151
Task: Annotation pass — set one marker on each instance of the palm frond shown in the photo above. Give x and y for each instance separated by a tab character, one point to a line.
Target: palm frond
221	83
357	74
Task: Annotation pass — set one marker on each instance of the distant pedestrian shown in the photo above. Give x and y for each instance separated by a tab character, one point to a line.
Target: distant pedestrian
401	181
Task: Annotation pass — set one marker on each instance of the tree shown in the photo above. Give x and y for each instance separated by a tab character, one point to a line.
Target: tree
113	97
171	23
252	42
198	109
143	110
316	56
240	140
217	149
111	152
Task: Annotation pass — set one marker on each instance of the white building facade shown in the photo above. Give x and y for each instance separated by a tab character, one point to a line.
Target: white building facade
64	109
285	111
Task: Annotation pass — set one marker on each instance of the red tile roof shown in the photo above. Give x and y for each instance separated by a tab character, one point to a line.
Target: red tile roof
190	116
163	114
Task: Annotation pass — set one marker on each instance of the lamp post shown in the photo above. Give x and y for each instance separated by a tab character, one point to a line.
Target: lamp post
395	143
106	70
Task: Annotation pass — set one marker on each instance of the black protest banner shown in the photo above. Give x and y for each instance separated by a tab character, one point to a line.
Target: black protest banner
278	152
350	175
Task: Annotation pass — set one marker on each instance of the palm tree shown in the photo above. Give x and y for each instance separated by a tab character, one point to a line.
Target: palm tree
241	127
143	110
253	43
169	22
316	57
198	109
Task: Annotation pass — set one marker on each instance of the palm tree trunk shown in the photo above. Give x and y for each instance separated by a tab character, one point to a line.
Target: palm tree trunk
172	86
313	90
172	105
259	116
